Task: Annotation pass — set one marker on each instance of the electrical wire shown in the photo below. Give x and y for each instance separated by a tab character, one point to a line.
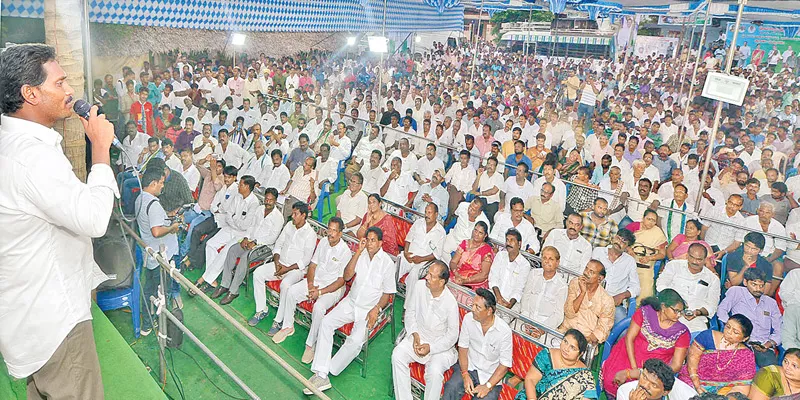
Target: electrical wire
209	378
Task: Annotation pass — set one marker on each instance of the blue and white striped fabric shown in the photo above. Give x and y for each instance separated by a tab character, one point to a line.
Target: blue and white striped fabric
22	8
441	5
279	15
790	31
558	6
599	9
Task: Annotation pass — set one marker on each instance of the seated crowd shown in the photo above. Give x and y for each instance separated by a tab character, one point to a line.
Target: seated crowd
566	217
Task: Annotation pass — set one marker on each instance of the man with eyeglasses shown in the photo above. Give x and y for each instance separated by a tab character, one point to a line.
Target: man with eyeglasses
724	238
352	204
546	212
656	382
761	309
696	284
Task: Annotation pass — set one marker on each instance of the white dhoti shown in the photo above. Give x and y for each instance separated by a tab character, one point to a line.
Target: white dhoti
344	313
266	273
298	293
215	257
435	367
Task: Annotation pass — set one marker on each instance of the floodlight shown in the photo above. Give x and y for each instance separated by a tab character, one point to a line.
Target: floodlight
237	39
378	44
417	39
351	40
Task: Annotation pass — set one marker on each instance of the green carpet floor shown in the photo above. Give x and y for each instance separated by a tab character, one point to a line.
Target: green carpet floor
252	365
124	377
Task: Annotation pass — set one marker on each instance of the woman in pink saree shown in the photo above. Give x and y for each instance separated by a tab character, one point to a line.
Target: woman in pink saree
473	259
721	362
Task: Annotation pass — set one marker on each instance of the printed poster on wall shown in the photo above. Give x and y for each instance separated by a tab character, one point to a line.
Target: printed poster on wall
655	45
760	43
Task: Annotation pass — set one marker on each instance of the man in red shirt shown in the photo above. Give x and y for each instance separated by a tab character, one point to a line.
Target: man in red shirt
142	113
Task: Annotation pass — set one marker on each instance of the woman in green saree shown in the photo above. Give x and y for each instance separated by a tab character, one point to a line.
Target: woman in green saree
559	374
776	381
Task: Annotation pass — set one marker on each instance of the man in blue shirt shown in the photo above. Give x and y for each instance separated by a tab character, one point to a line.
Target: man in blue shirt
664	163
518	157
222	123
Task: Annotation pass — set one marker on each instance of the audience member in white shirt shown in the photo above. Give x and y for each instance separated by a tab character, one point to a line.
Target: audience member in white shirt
374	175
503	221
509	272
459	180
424	243
622	279
427	164
575	250
516	186
431	325
656	382
189	170
484	351
697	285
544	294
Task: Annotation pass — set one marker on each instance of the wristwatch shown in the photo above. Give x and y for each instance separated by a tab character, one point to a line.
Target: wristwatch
489	384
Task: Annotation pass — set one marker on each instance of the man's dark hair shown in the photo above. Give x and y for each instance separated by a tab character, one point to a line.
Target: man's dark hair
230	170
444	273
377	231
276	151
488	298
152	140
662	371
756	238
359	177
338	221
165	142
19	66
156	164
272	191
378	152
515	201
304	136
249	181
301	207
150	176
754	274
627	236
513	232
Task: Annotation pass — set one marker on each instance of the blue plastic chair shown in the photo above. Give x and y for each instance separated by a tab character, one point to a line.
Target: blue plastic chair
339	171
616	332
631	306
791	172
723	275
126	297
324	196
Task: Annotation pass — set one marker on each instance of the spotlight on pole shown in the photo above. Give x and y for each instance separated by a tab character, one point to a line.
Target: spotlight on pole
237	39
351	40
417	39
378	44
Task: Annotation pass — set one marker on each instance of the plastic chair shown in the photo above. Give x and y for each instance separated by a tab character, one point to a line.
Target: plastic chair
339	170
616	331
723	275
126	297
631	306
791	172
324	196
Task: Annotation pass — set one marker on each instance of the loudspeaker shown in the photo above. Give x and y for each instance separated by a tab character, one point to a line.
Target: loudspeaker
175	335
115	257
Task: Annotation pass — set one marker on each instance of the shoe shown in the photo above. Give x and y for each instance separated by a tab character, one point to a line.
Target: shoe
145	332
308	355
208	289
201	286
282	335
228	298
322	384
276	327
258	317
219	292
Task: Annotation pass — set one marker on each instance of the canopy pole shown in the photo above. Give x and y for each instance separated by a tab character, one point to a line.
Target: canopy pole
475	50
380	66
688	55
718	112
694	71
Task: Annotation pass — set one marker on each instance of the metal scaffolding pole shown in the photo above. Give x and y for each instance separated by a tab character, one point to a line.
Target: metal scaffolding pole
718	112
475	50
688	55
694	70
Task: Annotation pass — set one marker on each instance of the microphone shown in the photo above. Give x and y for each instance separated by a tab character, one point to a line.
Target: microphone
82	108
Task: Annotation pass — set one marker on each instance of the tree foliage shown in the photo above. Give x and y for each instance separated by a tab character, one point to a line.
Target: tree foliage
518	16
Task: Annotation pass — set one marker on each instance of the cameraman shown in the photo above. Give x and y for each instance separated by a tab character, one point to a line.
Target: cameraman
156	230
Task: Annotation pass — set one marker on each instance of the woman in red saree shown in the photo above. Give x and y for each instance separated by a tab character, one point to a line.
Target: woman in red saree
473	259
375	216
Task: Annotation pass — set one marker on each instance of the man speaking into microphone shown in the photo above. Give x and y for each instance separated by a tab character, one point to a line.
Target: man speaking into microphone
48	218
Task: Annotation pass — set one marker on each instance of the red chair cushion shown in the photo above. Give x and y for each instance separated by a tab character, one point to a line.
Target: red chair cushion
274	285
523	355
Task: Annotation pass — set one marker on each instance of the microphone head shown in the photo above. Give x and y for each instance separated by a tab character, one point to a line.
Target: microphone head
82	108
